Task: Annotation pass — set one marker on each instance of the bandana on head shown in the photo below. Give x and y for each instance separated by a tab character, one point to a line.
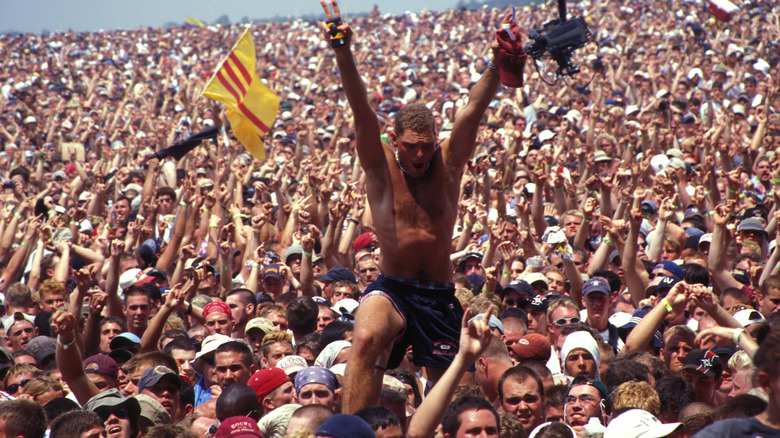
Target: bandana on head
217	307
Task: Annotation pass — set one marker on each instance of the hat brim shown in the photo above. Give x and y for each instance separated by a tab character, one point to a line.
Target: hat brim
694	367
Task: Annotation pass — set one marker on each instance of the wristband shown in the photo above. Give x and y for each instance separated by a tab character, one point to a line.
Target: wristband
206	210
776	180
17	214
138	216
183	204
241	215
666	304
487	292
65	346
506	273
737	333
623	201
189	309
354	221
608	242
225	266
585	220
213	225
74	223
469	225
307	254
25	244
491	66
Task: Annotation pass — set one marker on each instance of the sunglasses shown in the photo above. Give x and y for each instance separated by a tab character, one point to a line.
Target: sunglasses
564	321
121	413
14	387
208	360
212	430
510	302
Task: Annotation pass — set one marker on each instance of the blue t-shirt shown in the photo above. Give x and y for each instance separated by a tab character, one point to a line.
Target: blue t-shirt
738	428
202	394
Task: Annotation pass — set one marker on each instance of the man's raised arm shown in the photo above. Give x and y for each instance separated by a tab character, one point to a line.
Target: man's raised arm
366	124
460	146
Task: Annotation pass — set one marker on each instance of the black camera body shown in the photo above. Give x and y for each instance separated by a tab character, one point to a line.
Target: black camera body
560	38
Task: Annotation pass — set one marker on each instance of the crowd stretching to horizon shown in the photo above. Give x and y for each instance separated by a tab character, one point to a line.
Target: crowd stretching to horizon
615	238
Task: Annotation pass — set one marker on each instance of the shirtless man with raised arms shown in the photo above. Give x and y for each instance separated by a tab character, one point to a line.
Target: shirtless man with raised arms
413	188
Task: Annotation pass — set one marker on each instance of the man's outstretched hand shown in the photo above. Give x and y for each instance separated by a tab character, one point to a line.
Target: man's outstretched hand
338	33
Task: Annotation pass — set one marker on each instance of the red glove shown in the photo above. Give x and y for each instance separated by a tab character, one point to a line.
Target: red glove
510	56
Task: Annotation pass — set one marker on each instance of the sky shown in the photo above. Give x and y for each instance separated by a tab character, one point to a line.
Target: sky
91	15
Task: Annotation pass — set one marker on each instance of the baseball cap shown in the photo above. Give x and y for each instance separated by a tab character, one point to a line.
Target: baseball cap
537	303
670	266
649	207
10	320
266	380
638	423
337	274
596	284
272	271
705	361
153	376
152	410
532	346
292	364
363	241
493	322
259	323
102	365
469	255
667	283
522	287
596	383
345	426
745	317
41	348
111	400
291	251
238	427
208	346
124	340
533	277
750	224
345	306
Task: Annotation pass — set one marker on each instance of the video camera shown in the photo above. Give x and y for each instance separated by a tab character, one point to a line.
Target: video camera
559	38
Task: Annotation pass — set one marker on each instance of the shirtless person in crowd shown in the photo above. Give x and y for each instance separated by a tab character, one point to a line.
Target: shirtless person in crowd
413	184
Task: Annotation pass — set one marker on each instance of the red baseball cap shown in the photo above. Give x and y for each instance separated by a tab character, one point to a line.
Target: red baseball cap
266	380
238	427
532	346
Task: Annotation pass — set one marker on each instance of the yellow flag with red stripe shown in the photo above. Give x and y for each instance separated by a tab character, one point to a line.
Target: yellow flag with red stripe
250	105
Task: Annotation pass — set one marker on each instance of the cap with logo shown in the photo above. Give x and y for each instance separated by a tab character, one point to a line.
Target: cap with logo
706	362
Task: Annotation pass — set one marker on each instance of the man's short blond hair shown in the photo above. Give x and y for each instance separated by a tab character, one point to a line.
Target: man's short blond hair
636	395
277	336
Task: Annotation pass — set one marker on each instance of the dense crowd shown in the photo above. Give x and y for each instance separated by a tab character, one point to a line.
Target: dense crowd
614	239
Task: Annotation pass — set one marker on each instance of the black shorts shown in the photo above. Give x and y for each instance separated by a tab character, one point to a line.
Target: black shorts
432	318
